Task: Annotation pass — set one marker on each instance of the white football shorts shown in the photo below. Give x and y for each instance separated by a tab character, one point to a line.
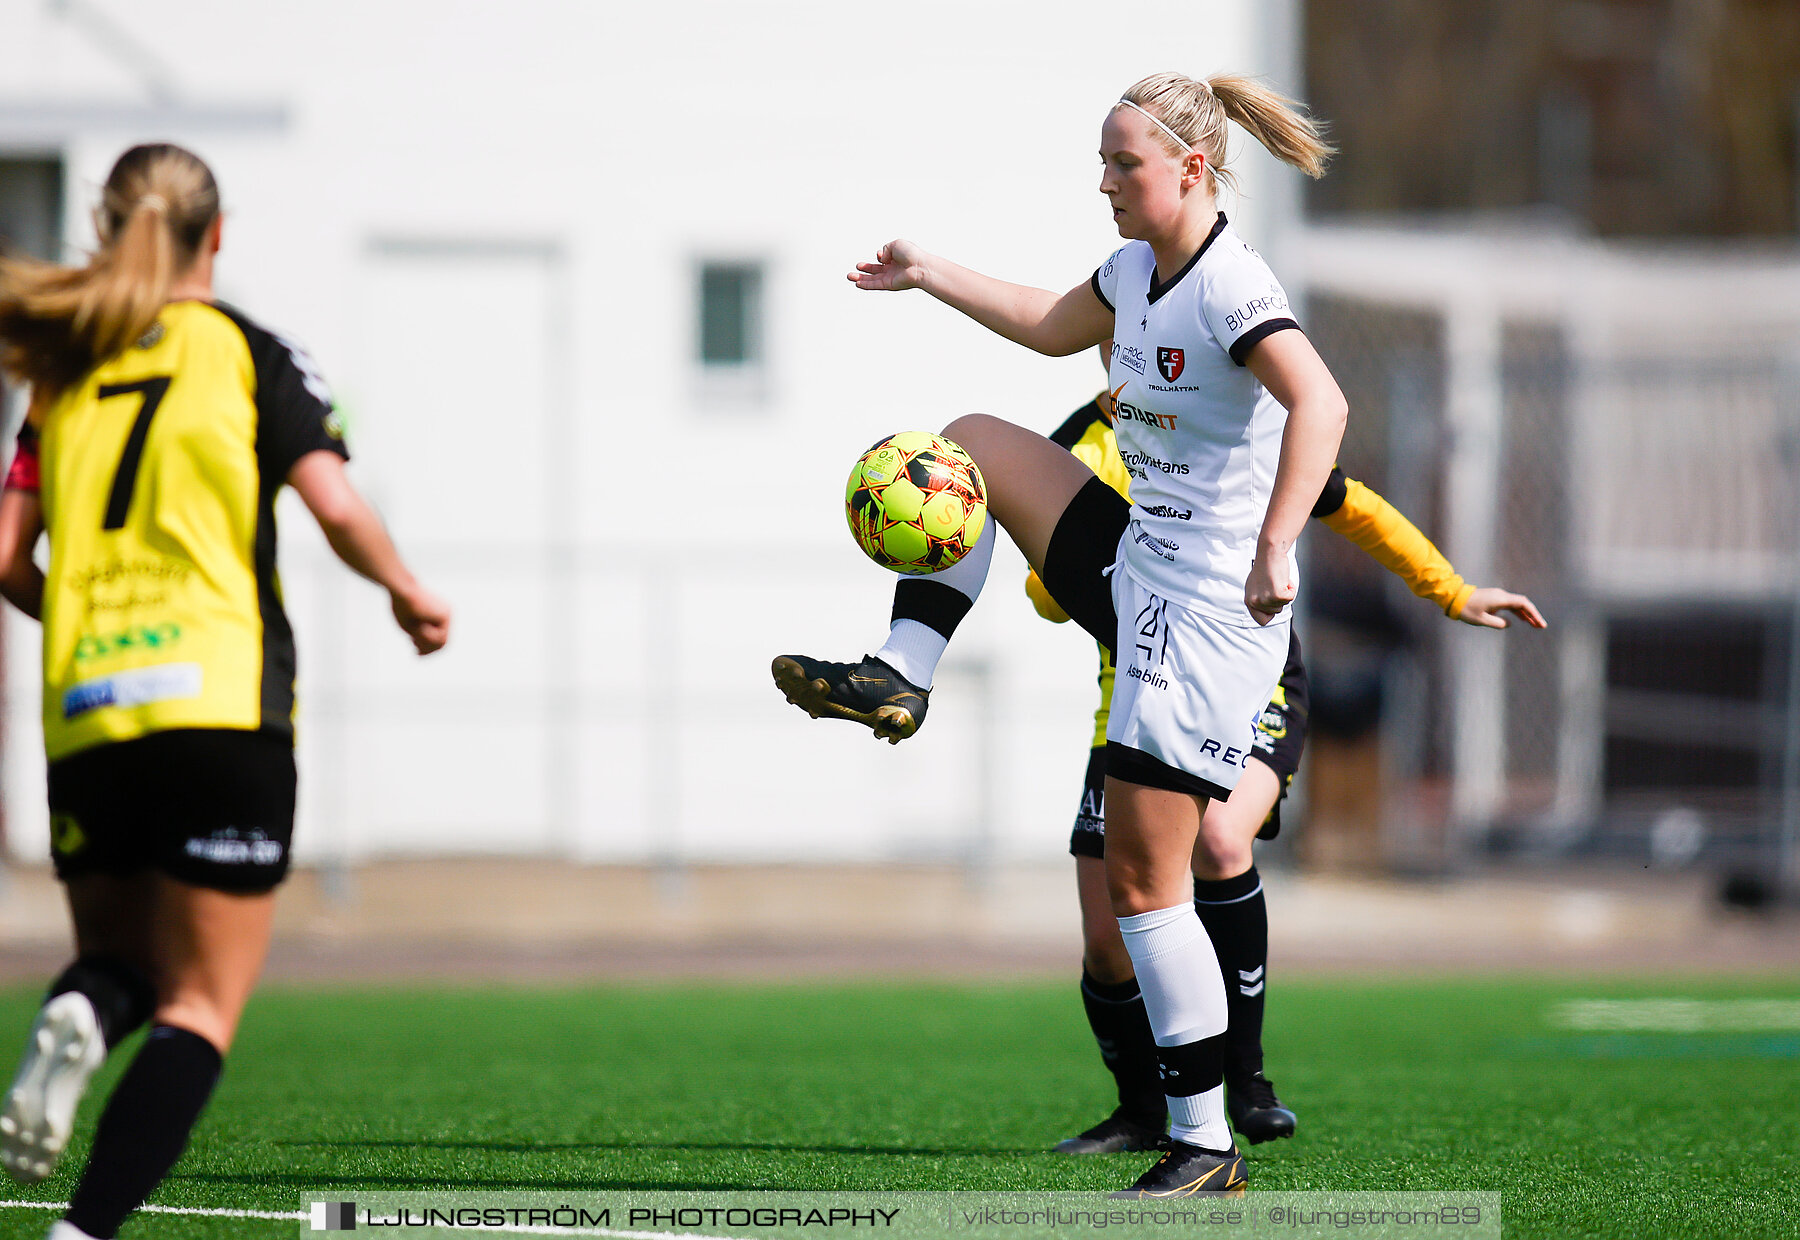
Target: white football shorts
1189	689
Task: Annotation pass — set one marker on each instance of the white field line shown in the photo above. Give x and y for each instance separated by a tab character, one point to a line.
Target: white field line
1678	1015
297	1216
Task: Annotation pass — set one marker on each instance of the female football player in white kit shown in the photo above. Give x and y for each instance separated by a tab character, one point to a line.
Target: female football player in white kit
1229	423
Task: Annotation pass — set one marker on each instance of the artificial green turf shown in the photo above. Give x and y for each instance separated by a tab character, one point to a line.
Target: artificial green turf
1403	1085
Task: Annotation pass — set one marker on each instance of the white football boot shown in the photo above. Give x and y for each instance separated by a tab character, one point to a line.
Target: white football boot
61	1053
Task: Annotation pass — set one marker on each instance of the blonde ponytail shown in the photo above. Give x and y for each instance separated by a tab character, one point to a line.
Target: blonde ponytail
1196	112
57	323
1275	121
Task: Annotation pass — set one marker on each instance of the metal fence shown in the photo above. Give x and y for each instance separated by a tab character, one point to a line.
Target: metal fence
1636	470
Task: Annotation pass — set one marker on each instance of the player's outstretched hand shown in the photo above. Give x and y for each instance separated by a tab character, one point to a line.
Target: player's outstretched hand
424	616
1484	608
898	265
1265	594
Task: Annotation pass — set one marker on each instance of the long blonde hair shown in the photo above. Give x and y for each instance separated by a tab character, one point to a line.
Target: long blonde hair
1197	110
57	323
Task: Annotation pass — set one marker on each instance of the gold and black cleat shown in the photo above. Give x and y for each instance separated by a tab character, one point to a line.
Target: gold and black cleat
870	693
1189	1171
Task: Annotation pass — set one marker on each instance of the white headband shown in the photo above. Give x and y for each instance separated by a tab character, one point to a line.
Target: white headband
1180	141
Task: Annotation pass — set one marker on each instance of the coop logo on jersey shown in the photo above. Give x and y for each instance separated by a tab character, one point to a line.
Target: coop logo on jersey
137	637
1170	362
1130	355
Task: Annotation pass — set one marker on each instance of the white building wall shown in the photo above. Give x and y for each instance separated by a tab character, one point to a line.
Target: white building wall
487	229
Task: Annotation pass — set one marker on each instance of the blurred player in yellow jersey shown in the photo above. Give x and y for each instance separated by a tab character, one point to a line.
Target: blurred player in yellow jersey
162	426
1227	889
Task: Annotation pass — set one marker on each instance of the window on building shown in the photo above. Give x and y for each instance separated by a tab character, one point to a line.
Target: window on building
31	207
731	335
731	314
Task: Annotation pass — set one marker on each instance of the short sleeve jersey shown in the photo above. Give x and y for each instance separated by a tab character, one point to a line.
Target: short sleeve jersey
158	480
1200	436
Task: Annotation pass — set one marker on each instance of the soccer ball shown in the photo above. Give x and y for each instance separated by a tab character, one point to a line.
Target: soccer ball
916	502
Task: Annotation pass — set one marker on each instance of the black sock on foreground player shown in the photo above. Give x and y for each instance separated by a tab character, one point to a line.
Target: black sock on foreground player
1115	1012
1237	920
122	996
145	1127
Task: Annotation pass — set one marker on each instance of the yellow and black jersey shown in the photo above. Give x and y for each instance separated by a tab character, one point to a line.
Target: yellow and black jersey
158	480
1369	521
1088	434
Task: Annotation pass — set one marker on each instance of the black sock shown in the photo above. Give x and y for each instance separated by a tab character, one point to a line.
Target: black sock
932	603
1237	920
123	997
1190	1069
1115	1012
145	1127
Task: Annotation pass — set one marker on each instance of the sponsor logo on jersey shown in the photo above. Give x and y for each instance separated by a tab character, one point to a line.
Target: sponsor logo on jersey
1164	547
138	687
1255	308
66	836
227	846
1139	465
1163	510
137	637
1272	723
1230	755
1111	403
1170	362
118	572
1156	680
1130	355
1131	413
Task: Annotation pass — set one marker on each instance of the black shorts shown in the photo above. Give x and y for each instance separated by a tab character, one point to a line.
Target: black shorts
1084	544
1280	737
1089	837
211	807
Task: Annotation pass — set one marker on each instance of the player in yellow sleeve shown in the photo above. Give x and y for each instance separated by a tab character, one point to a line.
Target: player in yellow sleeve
1227	889
162	425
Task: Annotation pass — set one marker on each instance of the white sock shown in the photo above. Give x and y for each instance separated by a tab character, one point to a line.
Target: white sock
1184	995
1200	1120
969	574
913	647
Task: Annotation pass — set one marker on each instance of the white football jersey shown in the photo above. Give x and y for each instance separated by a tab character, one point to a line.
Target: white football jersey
1199	435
